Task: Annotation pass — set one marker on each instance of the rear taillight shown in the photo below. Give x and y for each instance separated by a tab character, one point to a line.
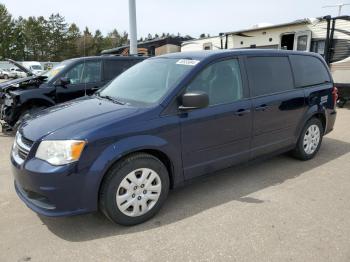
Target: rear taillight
335	95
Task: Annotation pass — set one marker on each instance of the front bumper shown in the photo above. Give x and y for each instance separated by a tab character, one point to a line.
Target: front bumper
49	190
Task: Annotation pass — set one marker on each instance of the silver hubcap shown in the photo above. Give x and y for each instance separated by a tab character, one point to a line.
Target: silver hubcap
138	192
311	139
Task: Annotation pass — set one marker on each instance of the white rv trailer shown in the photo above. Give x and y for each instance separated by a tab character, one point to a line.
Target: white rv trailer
327	36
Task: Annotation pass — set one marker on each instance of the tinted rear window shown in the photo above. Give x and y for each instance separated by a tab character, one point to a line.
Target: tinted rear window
113	68
268	75
308	71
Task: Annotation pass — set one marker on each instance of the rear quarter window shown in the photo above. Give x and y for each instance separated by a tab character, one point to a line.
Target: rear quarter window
309	71
113	68
268	75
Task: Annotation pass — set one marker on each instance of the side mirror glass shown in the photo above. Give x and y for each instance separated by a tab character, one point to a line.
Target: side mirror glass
194	100
63	81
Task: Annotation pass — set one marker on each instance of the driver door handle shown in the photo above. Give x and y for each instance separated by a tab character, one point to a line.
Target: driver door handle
261	108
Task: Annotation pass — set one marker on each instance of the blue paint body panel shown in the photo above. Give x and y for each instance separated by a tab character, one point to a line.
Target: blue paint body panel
195	142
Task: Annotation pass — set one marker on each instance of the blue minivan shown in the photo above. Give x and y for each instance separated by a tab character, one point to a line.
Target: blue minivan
167	120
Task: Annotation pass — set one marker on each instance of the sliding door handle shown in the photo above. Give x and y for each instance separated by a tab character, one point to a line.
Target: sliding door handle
242	112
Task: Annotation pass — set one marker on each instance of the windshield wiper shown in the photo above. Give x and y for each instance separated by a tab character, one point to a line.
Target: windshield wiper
113	99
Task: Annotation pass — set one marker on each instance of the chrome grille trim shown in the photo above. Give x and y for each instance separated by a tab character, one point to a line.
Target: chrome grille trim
21	144
20	148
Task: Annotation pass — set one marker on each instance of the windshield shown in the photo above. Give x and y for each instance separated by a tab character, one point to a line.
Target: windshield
36	67
55	70
147	82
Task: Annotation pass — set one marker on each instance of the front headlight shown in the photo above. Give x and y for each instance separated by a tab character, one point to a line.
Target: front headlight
8	100
60	152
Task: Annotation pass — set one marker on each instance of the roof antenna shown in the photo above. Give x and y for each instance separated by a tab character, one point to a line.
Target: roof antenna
340	7
83	71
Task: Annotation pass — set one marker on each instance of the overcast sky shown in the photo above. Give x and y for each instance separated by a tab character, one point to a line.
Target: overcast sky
191	17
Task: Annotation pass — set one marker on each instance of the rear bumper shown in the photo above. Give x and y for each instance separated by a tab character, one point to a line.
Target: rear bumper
331	117
343	90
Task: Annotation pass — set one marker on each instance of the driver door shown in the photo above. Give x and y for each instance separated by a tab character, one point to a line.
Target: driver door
219	135
85	79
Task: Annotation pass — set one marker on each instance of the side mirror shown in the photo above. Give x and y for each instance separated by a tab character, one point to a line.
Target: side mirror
63	81
194	100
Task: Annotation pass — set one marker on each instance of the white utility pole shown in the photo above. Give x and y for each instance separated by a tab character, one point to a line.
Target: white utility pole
132	27
340	7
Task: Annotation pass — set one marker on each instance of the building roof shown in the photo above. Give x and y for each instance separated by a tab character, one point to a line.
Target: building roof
175	40
304	21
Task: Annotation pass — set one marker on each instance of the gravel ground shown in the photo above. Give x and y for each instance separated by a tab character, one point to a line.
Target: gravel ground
278	210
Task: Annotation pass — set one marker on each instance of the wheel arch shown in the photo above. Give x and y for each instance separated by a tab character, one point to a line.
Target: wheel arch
163	157
37	102
124	148
314	112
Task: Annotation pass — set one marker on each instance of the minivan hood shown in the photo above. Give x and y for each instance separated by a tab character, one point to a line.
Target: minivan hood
12	83
24	69
91	111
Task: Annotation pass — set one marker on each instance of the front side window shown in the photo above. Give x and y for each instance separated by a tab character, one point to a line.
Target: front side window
83	73
147	82
269	75
221	81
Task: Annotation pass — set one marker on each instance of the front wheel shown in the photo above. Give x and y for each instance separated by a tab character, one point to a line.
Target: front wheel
310	140
134	189
25	114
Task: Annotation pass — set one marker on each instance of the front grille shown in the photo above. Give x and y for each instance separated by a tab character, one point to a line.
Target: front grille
21	148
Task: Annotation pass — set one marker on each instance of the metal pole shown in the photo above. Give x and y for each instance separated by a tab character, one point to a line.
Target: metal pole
326	49
340	7
132	27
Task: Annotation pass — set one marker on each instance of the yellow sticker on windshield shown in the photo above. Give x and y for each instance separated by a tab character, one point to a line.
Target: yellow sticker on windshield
187	62
54	72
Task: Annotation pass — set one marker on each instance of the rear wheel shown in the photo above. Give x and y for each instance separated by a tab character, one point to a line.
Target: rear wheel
310	140
134	189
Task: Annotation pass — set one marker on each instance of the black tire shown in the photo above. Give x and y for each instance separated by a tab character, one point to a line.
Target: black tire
115	176
341	102
299	151
6	77
25	114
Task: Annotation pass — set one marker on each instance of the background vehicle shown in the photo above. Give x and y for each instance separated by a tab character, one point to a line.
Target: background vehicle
166	121
66	81
17	72
327	36
35	67
6	74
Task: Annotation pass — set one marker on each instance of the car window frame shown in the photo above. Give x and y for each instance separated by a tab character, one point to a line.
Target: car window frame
211	64
172	108
323	62
269	55
79	63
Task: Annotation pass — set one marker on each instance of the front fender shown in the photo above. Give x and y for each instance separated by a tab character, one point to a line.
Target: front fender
115	151
42	100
